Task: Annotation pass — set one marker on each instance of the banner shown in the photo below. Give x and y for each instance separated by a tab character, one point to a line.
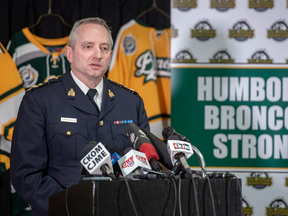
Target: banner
229	75
237	117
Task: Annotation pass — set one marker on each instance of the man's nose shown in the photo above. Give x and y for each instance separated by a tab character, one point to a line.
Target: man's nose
97	53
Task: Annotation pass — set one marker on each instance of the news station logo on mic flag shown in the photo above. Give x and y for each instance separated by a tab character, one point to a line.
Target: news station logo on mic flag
142	159
97	157
115	157
128	163
176	146
133	160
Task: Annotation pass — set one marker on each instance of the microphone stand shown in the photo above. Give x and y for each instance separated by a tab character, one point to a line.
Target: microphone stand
200	160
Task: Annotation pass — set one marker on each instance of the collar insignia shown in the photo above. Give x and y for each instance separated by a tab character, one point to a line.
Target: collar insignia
71	93
110	93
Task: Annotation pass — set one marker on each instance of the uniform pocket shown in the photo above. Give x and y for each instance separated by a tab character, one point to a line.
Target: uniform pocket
67	141
119	135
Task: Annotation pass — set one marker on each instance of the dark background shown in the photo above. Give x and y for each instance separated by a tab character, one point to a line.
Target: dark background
18	14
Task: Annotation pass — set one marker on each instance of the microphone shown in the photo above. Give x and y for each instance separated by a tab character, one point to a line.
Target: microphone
137	171
85	151
98	160
115	156
180	148
179	151
169	131
142	143
132	163
161	148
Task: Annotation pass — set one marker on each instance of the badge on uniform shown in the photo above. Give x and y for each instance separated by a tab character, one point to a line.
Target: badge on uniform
71	93
110	93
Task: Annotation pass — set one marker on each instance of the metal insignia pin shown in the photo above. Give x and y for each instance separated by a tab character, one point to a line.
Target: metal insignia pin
71	93
110	93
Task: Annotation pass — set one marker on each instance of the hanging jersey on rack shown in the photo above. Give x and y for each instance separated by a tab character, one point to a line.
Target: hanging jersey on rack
36	58
11	93
141	61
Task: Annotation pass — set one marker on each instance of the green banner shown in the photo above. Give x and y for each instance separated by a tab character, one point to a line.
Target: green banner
236	117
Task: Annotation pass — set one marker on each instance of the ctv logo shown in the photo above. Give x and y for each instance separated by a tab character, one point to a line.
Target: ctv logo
142	159
128	163
183	146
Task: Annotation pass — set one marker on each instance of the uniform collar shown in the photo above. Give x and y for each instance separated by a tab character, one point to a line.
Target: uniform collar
79	99
76	96
85	88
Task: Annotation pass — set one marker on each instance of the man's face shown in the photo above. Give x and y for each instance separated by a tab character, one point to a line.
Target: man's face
91	56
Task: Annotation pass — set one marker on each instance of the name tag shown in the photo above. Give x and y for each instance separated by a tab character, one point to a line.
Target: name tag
65	119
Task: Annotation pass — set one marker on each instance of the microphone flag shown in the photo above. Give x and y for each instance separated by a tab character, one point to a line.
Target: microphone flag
179	146
133	160
115	157
95	158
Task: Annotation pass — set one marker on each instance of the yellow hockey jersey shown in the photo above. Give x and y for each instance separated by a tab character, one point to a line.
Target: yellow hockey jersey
11	93
141	61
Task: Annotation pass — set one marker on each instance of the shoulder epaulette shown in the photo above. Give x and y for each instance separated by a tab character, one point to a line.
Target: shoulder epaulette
46	82
124	87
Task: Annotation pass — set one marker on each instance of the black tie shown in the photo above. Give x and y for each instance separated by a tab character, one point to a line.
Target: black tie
90	95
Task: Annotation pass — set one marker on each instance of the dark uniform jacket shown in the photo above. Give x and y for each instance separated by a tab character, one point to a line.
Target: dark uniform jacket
55	122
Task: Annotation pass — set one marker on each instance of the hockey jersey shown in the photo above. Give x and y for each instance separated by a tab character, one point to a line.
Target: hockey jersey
141	61
11	93
36	58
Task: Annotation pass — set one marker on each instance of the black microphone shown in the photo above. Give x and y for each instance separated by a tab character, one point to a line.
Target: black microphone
142	143
169	131
115	156
177	152
161	148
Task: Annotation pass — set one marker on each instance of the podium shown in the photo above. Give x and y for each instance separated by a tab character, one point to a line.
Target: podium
150	197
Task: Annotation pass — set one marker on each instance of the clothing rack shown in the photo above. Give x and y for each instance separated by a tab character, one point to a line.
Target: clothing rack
154	7
49	13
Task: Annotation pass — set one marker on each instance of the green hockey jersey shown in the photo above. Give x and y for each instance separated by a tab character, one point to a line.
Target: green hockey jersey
36	58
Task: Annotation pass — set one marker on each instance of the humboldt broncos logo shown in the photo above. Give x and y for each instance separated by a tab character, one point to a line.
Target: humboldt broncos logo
150	68
29	75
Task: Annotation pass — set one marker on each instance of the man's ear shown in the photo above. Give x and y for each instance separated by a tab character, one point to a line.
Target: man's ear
69	55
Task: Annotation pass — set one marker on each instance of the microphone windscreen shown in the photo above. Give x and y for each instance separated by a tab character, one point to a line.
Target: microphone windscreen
161	148
127	150
166	132
149	151
111	147
137	136
173	137
88	147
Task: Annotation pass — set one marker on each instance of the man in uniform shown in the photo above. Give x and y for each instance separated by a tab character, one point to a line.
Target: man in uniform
56	119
